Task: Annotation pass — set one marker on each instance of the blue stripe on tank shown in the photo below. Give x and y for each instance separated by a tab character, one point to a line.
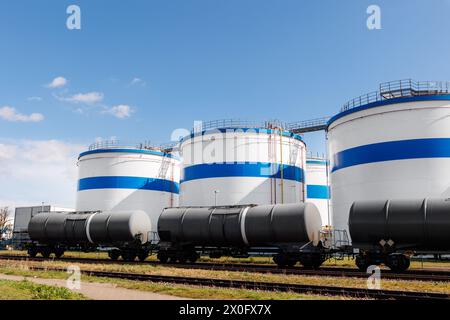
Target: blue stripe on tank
121	182
319	162
317	192
257	170
392	150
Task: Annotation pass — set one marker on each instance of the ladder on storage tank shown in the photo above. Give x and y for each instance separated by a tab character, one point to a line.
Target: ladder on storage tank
166	163
163	169
271	158
281	167
274	167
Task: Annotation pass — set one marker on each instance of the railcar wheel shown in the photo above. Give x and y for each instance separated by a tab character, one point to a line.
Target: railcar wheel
142	256
398	262
280	260
46	252
114	255
32	252
162	257
407	263
308	264
193	257
59	253
283	261
362	263
291	263
172	260
311	261
128	256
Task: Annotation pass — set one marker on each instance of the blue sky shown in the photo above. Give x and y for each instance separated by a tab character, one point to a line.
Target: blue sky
197	60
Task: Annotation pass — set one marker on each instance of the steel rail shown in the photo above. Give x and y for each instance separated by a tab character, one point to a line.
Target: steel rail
412	275
267	286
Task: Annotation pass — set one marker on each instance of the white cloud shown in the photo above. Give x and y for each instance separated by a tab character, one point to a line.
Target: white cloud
86	98
7	151
79	111
35	171
137	81
34	99
10	114
58	82
121	111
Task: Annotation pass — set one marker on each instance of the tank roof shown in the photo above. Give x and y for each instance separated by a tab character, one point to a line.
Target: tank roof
258	130
116	144
395	92
239	124
224	125
120	146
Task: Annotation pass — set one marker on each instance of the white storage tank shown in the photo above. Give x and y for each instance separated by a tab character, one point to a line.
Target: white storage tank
317	186
391	144
122	178
236	163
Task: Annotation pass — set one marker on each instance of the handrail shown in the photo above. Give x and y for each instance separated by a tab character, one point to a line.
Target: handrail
399	89
238	123
295	126
116	144
315	156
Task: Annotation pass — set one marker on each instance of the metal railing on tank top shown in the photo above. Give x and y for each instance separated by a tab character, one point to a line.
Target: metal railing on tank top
399	89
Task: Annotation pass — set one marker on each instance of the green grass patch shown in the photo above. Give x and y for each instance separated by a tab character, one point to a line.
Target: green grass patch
26	290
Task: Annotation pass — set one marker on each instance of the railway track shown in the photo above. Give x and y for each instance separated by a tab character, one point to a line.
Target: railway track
267	286
416	275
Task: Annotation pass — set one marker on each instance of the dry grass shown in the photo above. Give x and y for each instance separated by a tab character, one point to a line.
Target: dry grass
389	284
184	291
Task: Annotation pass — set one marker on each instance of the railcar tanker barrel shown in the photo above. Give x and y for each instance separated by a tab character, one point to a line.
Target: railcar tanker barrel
417	224
241	225
95	228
